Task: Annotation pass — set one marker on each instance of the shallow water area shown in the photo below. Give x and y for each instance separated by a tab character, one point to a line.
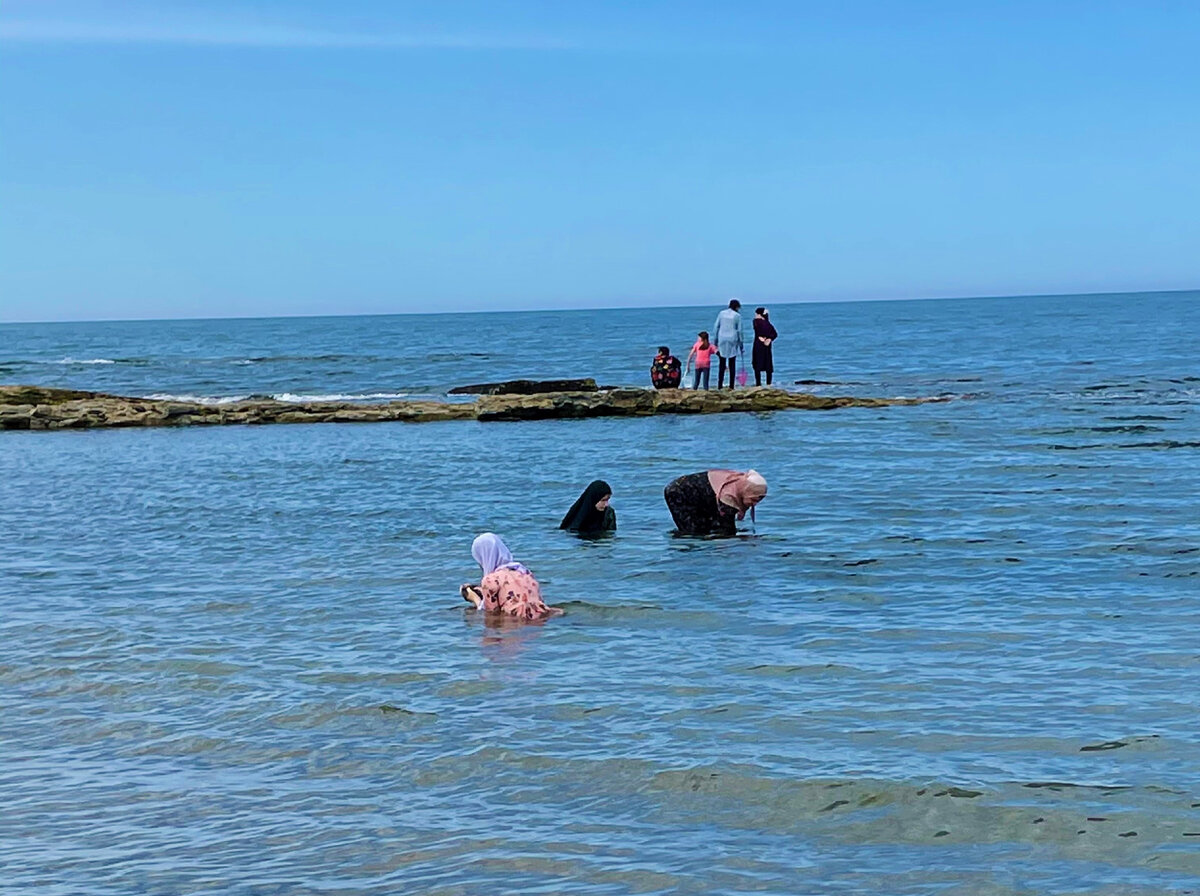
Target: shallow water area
955	654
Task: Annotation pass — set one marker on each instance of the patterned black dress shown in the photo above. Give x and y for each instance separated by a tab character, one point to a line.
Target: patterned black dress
693	505
665	372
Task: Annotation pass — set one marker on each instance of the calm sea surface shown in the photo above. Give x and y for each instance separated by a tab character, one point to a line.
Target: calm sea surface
960	654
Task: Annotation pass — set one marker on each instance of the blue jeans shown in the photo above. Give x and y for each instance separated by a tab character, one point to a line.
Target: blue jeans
701	372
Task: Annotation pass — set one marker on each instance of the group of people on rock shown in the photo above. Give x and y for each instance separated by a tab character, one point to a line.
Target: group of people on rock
727	344
708	503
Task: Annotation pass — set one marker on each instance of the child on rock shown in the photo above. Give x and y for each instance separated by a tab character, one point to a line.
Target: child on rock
702	351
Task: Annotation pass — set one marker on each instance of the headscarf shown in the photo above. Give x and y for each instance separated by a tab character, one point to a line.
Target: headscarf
583	515
492	554
737	490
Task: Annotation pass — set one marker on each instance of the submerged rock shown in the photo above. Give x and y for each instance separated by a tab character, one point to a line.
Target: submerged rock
527	387
35	407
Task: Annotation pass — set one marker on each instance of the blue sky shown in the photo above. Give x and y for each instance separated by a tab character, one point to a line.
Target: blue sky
262	158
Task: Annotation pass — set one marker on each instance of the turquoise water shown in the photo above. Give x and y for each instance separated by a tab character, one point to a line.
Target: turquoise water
958	654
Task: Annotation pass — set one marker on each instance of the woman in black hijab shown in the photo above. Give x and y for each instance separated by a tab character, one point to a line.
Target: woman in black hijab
590	514
764	335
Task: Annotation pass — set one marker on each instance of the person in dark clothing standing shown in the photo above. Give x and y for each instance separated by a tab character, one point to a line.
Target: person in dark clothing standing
591	513
764	335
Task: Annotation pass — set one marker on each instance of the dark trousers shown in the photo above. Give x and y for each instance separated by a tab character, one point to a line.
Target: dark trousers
758	376
731	361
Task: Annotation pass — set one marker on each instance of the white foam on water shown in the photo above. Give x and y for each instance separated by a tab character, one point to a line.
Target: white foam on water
198	399
289	397
86	361
371	396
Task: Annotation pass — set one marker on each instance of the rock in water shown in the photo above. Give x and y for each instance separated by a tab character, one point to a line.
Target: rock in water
36	407
527	387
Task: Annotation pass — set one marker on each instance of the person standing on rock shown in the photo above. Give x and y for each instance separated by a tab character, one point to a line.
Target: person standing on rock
711	502
727	334
702	351
761	355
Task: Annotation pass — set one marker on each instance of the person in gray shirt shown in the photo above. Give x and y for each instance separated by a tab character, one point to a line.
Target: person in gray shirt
727	335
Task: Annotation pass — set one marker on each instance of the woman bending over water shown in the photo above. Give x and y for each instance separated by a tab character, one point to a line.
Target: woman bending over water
508	587
711	502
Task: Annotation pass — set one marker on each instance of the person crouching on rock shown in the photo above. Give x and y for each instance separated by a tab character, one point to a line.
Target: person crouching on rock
664	371
591	513
508	587
711	502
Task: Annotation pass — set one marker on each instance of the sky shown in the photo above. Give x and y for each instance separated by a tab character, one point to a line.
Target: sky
217	159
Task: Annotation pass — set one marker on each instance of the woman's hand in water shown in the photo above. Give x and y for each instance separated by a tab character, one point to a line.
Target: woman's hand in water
471	594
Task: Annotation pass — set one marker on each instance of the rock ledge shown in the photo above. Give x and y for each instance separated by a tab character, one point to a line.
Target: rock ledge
36	407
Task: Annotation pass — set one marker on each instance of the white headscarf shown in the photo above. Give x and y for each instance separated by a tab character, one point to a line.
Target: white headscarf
492	554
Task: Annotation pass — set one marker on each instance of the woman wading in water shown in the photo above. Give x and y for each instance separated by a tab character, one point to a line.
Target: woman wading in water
508	588
711	502
591	513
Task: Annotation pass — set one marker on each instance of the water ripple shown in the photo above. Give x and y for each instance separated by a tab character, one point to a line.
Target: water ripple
957	655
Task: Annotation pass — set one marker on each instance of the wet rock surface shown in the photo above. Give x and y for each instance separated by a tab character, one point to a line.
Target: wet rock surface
35	407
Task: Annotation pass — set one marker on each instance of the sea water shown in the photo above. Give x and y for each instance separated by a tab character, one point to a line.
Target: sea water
957	652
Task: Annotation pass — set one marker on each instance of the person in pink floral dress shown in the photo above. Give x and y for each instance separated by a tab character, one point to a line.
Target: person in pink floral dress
508	587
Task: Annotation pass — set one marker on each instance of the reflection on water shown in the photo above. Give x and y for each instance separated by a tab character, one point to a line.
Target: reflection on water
504	637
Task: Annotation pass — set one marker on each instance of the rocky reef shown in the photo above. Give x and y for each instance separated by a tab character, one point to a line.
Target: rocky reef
36	407
648	402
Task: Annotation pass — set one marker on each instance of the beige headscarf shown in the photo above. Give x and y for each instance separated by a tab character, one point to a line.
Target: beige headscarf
737	490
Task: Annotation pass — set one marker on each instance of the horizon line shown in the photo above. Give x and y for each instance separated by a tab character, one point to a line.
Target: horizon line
1036	295
48	33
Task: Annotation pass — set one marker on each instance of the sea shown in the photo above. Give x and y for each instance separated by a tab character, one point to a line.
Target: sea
957	652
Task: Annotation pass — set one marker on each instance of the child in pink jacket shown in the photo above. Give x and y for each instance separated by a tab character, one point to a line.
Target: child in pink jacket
702	351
